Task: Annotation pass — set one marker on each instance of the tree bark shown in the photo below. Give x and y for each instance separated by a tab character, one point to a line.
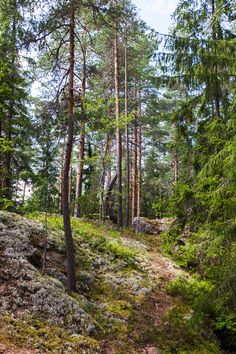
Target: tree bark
139	164
70	185
108	195
79	178
118	130
216	85
176	155
103	176
61	174
188	149
127	180
65	186
135	156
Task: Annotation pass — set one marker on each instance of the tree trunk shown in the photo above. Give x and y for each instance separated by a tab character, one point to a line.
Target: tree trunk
24	192
70	185
79	178
188	150
108	195
103	176
176	167
139	164
176	155
135	157
65	186
127	180
61	174
216	85
118	131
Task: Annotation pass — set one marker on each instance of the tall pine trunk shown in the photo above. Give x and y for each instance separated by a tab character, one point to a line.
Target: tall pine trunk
139	162
68	151
107	206
79	178
118	130
127	179
135	158
103	177
175	153
70	185
188	148
61	173
216	85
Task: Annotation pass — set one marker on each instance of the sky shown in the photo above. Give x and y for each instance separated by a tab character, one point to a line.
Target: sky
156	13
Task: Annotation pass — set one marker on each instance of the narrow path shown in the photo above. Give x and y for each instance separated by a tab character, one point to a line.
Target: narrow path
6	350
149	317
164	267
158	303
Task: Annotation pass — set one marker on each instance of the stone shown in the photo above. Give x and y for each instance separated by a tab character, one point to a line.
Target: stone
152	226
24	288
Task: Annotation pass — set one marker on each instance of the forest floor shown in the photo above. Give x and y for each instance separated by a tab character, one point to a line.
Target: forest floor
125	302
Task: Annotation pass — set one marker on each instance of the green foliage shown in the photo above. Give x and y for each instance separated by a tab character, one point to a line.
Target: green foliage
14	119
5	204
190	289
161	208
5	145
182	200
89	205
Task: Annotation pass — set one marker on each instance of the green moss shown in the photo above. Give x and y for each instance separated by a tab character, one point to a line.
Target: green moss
121	308
34	333
121	251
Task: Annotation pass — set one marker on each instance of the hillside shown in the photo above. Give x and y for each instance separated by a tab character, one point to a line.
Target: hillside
123	304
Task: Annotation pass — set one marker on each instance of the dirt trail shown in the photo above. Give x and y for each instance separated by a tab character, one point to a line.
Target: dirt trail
163	267
159	302
7	350
150	315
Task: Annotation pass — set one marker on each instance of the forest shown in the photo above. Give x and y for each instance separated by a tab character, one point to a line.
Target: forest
117	178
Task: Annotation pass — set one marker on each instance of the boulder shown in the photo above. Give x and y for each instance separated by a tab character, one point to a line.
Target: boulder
25	289
152	226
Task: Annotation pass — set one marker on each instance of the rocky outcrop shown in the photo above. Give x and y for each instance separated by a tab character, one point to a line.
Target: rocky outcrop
24	288
152	226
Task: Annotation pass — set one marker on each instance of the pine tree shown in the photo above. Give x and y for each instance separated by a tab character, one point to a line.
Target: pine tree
15	124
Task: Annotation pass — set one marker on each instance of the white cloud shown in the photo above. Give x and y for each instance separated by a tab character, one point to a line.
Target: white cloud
156	13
